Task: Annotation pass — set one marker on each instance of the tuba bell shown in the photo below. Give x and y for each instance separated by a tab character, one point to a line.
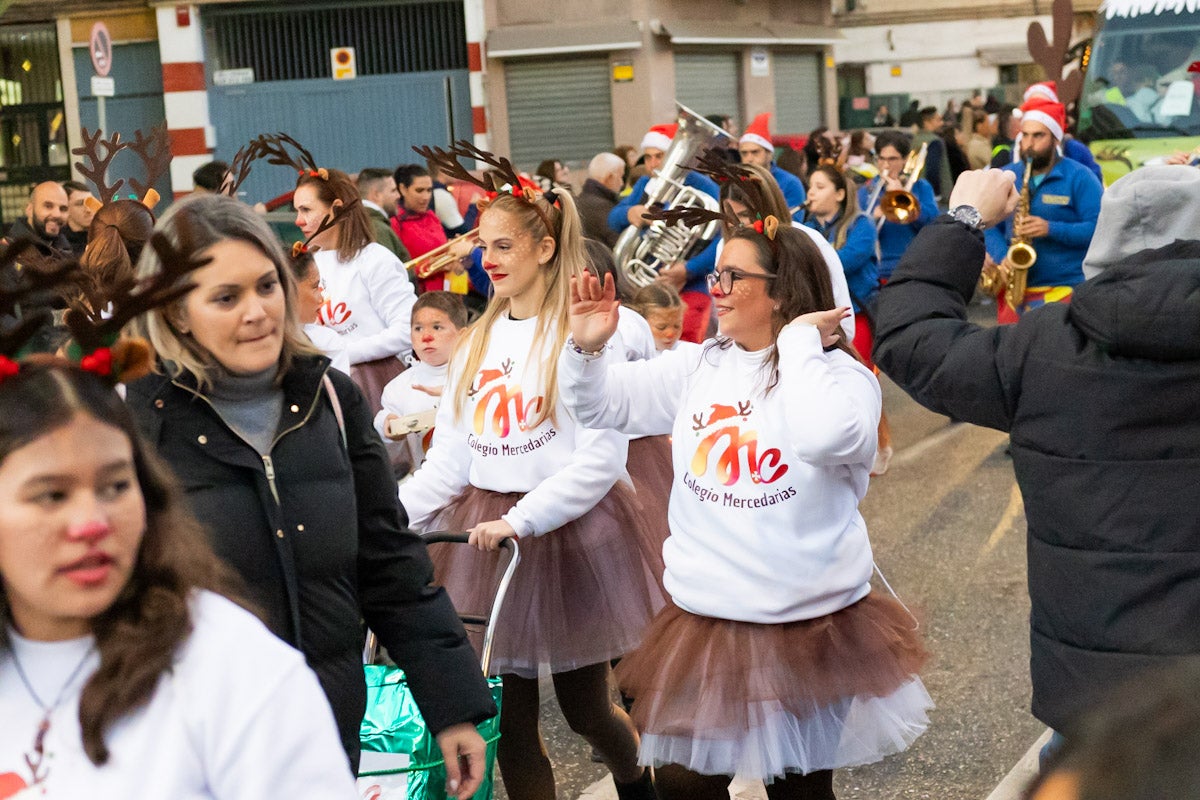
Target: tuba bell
642	253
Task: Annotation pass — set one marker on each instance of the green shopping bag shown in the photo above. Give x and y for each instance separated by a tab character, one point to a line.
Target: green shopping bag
393	724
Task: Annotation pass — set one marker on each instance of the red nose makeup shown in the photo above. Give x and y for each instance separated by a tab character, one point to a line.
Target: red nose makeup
89	531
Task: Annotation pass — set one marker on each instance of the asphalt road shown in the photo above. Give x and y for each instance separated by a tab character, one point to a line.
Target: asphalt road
949	533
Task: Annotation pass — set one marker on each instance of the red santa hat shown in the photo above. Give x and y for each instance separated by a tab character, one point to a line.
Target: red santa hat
759	133
659	137
1044	89
1050	113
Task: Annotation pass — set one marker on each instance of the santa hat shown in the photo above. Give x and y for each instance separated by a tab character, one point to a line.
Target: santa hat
1045	89
1048	112
759	133
659	137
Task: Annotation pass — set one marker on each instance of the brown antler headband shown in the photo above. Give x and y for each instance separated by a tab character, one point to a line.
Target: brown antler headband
275	147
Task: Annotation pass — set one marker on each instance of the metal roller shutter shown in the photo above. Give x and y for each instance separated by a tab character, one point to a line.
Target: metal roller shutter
798	106
560	108
708	83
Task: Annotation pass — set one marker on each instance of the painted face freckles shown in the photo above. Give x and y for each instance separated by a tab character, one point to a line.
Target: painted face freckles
72	518
510	255
433	336
311	211
744	314
666	324
237	310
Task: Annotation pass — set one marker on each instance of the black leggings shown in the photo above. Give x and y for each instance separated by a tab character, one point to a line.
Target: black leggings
676	783
583	695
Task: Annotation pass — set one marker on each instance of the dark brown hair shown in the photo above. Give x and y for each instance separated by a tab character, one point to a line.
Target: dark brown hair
116	237
354	229
767	200
448	303
801	284
138	636
848	211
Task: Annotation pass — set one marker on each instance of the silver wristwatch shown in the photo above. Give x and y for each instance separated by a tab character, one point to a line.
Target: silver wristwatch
968	215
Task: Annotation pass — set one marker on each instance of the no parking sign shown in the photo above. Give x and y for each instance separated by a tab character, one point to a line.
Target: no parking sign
344	67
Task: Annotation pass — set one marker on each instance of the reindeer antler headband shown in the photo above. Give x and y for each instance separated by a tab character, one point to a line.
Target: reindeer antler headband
714	165
97	155
523	190
96	343
278	149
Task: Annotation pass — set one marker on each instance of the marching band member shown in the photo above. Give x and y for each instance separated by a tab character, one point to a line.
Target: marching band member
1064	203
686	278
891	151
755	147
508	460
833	212
774	660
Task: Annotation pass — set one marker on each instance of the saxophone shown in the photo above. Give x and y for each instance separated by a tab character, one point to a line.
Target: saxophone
1011	282
640	254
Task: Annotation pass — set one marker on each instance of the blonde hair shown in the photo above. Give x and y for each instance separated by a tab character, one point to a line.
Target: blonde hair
553	322
654	296
194	225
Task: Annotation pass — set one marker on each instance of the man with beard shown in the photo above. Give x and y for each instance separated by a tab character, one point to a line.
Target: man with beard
45	217
379	197
1064	202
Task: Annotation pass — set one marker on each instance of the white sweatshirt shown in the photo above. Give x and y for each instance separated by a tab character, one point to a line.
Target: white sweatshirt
763	512
400	398
329	343
636	338
564	469
368	301
837	275
239	716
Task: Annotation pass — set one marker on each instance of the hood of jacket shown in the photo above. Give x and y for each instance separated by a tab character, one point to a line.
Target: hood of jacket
1146	306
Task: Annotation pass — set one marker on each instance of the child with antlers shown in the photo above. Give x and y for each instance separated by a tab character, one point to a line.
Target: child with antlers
508	460
775	660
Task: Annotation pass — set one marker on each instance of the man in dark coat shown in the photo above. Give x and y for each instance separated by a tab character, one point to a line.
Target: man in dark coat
1102	400
43	224
606	176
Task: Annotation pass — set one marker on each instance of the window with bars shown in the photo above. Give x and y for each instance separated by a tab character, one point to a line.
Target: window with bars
293	42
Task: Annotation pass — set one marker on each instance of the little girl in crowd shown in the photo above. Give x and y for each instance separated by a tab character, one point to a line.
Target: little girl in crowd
438	321
310	296
663	309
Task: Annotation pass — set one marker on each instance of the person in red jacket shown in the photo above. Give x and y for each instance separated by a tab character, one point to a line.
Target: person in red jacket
417	225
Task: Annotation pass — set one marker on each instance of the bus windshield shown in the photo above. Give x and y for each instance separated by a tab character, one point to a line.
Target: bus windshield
1138	84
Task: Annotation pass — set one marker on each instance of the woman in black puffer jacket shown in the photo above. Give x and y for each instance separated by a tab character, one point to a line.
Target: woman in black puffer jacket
281	463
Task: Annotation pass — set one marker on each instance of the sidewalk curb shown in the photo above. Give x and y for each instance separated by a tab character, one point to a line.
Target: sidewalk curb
1014	783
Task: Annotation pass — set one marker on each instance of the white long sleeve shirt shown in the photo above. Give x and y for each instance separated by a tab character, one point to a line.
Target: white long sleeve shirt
368	302
636	338
563	468
763	512
239	716
400	398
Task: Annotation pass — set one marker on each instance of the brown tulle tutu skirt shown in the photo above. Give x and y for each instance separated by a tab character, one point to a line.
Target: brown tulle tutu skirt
581	595
372	376
723	697
652	473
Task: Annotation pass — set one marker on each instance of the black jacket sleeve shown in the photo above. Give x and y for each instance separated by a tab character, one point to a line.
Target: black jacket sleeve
413	619
924	342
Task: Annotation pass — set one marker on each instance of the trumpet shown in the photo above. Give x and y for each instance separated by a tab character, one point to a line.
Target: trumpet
436	260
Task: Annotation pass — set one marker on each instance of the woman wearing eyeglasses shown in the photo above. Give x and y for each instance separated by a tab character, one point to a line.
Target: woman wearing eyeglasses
774	659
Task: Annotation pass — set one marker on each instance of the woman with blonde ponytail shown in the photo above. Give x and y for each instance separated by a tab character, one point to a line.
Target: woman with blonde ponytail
508	460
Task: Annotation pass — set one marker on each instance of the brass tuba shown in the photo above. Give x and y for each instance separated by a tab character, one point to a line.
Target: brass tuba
641	253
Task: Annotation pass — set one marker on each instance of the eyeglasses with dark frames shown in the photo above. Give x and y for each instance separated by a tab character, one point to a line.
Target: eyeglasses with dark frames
727	277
